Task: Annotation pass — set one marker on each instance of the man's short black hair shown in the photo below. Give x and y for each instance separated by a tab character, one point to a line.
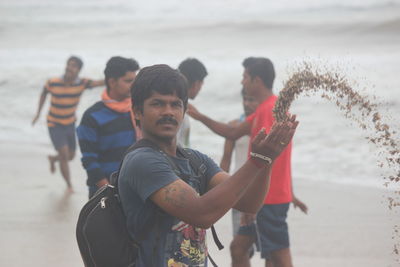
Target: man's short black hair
117	67
261	67
77	60
248	61
161	79
193	70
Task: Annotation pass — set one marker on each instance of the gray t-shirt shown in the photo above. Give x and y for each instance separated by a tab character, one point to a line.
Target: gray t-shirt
144	172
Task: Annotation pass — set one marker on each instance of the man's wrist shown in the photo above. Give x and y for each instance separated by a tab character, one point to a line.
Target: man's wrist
202	118
267	160
258	163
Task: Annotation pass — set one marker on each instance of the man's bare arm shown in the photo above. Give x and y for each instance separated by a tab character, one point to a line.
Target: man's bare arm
97	83
253	194
182	201
256	191
227	156
253	198
229	145
222	129
42	99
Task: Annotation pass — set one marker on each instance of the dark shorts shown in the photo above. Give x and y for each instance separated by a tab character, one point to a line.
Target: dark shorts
63	135
252	231
272	228
247	230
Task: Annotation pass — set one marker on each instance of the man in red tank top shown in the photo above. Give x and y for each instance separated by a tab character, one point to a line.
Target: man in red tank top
258	78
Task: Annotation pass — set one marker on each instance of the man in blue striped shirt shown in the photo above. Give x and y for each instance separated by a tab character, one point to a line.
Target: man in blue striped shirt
108	127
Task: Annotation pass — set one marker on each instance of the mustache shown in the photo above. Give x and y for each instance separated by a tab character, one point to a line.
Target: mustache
165	120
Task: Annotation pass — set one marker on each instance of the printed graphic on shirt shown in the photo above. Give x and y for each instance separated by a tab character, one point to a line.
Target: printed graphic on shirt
189	246
186	244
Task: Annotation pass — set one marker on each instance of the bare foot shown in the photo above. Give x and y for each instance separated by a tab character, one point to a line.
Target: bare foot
52	162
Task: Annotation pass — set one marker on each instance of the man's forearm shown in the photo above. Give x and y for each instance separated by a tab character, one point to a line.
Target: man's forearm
97	83
227	156
222	129
254	197
42	99
217	201
225	164
181	200
219	128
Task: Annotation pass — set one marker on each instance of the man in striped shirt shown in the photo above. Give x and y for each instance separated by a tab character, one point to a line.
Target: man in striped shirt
108	128
65	94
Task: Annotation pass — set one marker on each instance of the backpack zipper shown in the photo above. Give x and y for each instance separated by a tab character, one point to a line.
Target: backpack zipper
103	202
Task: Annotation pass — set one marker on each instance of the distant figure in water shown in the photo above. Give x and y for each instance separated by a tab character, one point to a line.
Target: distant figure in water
65	95
195	72
108	128
258	78
243	224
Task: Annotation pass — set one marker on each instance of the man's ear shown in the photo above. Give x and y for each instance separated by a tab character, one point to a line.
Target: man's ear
137	112
112	82
138	116
258	81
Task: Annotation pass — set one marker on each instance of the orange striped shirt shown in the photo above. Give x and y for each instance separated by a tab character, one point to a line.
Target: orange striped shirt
64	100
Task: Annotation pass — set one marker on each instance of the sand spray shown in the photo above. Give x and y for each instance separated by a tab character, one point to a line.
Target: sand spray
331	85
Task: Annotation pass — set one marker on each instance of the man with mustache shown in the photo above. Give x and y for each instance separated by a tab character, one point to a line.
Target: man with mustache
65	94
108	127
181	202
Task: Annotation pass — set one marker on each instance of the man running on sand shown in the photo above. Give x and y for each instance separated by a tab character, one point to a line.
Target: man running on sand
65	94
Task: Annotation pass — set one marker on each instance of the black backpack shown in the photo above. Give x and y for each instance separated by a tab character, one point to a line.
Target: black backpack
101	230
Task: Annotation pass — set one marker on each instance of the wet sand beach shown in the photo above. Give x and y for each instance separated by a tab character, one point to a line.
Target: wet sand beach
346	225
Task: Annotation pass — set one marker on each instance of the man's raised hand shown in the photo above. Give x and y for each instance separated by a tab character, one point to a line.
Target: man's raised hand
272	144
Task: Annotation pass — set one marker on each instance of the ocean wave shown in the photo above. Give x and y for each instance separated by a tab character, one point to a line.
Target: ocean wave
154	12
349	6
392	25
389	26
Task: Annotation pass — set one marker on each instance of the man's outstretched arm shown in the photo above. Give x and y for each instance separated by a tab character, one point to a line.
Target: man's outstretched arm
181	200
222	129
255	193
97	83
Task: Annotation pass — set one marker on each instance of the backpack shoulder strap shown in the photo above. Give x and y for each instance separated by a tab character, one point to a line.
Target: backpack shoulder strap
148	143
197	165
139	144
200	168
